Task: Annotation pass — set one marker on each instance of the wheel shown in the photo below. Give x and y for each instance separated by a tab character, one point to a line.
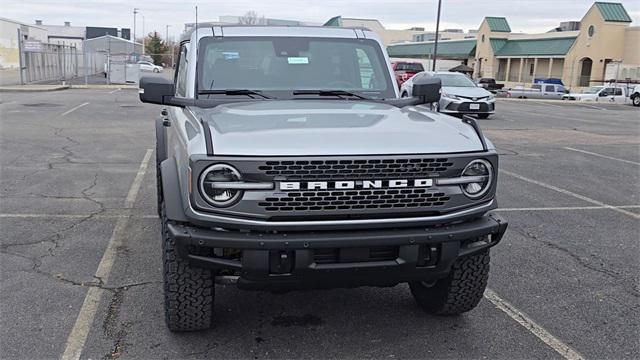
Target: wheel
483	116
460	292
188	291
155	70
636	100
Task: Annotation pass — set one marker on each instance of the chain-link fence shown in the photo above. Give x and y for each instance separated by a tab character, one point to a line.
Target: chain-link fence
53	62
112	62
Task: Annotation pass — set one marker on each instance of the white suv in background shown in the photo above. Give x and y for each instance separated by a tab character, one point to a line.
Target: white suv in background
460	95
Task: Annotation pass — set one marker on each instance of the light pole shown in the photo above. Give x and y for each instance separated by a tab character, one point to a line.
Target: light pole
435	45
135	12
166	39
143	36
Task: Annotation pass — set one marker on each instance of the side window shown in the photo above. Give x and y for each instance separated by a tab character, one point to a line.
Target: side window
607	92
549	88
618	92
181	73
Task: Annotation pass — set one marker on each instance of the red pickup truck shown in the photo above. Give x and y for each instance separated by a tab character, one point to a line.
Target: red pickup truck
404	70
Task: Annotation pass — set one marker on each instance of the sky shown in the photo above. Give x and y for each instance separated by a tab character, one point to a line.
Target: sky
530	16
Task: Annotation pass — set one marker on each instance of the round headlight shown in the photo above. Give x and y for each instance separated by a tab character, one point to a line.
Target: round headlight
219	173
481	169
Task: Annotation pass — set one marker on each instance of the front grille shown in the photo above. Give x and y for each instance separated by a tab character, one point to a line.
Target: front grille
484	107
356	169
333	255
354	200
473	98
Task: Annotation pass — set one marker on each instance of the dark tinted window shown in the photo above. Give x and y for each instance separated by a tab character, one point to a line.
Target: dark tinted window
455	80
549	88
415	67
282	64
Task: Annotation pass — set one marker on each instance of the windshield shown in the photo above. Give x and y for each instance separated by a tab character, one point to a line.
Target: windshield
455	80
592	90
279	65
414	67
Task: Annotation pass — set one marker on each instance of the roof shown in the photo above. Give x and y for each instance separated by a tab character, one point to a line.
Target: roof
462	68
454	49
533	47
613	12
498	24
21	23
497	44
334	21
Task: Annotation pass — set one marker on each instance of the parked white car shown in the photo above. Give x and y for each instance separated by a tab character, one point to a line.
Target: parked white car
538	91
147	66
609	94
459	95
635	96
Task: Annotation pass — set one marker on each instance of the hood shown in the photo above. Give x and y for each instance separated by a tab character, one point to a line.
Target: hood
333	127
466	91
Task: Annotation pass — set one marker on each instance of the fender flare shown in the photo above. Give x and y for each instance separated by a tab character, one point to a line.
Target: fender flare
161	141
171	191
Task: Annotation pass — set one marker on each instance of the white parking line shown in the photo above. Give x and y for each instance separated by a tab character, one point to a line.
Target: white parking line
541	333
73	109
590	106
80	331
570	193
602	156
114	91
568	208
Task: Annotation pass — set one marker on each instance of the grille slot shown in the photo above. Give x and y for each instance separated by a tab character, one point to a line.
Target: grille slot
332	255
354	200
356	168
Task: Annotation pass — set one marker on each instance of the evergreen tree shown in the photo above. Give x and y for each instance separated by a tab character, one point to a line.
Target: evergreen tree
155	47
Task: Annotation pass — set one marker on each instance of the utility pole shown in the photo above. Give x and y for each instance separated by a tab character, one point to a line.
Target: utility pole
435	45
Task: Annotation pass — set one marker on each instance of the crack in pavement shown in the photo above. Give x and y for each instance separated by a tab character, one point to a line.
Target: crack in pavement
582	261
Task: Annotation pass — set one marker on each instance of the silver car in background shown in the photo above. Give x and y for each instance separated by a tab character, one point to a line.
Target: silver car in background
459	94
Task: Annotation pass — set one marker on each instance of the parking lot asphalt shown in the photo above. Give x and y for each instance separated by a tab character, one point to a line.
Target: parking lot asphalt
75	184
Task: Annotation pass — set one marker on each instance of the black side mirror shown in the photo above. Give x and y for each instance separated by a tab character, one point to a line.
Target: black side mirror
427	89
156	90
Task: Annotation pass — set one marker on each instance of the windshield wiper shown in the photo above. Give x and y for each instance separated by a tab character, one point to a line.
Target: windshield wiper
233	92
339	93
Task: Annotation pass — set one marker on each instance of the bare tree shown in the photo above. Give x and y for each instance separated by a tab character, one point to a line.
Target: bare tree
249	18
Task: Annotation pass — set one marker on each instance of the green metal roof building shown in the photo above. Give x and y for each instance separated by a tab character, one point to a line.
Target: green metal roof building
581	56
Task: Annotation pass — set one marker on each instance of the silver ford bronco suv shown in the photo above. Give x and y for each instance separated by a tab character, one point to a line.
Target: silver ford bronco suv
287	160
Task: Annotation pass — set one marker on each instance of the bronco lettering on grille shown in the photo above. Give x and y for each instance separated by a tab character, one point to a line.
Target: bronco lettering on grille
359	184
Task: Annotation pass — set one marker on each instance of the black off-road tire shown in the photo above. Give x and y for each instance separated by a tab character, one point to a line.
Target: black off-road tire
188	291
460	292
636	100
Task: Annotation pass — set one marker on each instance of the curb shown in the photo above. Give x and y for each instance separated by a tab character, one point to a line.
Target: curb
96	86
33	88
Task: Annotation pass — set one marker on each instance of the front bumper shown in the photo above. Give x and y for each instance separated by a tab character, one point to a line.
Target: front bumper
448	106
327	259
